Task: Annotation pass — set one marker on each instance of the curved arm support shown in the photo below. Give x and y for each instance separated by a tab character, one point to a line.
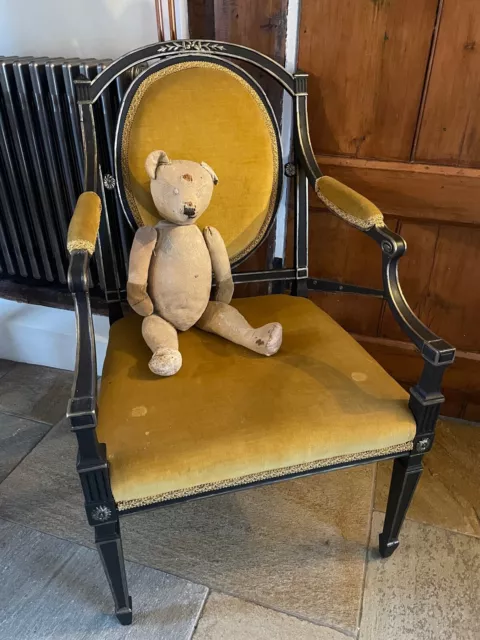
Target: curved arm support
92	464
426	396
82	406
433	349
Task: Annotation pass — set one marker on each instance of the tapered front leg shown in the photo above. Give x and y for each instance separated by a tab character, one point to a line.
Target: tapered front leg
109	545
405	476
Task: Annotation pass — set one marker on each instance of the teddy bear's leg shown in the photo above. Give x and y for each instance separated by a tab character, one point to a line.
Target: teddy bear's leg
162	339
222	319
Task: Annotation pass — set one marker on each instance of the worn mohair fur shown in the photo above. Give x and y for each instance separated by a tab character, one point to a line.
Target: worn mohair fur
170	273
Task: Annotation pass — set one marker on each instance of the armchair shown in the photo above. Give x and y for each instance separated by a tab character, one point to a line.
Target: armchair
230	419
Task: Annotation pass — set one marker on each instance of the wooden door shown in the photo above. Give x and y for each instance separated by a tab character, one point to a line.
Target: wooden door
393	108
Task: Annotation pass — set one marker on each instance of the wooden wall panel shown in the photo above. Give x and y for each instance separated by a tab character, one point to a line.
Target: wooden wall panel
452	306
345	255
450	131
414	191
461	381
259	25
367	61
201	19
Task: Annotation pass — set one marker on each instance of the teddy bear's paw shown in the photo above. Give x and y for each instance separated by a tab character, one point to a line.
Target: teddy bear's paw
268	339
165	362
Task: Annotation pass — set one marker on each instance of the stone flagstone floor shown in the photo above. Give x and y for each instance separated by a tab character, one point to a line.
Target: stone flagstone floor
297	560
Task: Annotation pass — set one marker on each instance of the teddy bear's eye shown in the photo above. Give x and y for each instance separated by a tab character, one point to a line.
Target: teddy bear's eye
176	191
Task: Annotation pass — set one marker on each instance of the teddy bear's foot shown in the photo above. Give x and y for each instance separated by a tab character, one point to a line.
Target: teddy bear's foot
165	362
267	340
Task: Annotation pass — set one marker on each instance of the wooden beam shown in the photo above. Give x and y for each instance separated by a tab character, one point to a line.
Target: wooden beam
425	192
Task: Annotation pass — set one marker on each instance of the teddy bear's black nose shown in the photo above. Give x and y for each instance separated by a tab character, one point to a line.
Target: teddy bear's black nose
189	210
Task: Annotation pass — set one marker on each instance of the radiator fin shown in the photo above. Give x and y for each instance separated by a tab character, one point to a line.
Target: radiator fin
41	167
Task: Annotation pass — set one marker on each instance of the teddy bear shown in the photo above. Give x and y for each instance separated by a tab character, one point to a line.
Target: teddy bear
171	264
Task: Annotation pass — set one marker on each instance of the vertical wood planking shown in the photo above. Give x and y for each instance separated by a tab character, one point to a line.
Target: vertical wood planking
346	255
259	25
450	130
367	60
452	306
201	20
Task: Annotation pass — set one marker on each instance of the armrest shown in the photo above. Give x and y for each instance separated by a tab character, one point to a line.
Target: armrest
348	204
426	396
81	239
83	227
364	215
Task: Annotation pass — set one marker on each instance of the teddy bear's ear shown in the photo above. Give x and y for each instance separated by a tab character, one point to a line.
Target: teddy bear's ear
210	171
155	160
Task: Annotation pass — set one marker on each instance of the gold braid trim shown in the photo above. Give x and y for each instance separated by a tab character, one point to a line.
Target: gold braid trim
373	221
125	147
81	245
122	505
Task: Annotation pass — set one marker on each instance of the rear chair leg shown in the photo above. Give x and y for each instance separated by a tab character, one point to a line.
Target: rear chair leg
405	476
109	545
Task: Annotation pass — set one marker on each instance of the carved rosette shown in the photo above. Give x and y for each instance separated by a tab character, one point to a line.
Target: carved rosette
101	513
290	169
422	445
108	182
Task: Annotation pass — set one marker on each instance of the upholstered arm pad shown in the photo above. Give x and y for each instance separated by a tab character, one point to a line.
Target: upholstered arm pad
348	204
83	227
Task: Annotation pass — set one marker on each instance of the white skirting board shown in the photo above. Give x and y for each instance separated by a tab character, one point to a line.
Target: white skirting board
43	335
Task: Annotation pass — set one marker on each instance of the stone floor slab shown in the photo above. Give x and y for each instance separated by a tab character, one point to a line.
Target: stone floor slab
38	393
51	588
18	436
297	546
6	366
227	618
428	590
448	494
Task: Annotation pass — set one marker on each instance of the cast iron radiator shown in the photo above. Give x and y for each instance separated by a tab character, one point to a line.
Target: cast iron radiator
41	167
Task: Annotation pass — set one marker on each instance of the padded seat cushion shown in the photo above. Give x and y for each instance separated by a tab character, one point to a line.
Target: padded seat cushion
230	416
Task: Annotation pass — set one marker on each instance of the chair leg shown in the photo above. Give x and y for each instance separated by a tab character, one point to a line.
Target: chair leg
109	545
405	476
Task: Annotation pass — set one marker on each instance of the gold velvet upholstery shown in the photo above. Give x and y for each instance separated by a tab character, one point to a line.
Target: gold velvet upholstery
230	416
203	111
348	204
83	227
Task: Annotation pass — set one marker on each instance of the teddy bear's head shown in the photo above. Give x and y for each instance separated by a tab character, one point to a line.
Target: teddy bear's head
181	189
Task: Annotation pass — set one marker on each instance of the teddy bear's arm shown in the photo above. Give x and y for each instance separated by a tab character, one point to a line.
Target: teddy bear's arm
220	263
140	257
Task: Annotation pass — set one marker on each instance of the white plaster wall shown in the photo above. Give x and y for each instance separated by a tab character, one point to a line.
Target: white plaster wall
42	335
75	28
